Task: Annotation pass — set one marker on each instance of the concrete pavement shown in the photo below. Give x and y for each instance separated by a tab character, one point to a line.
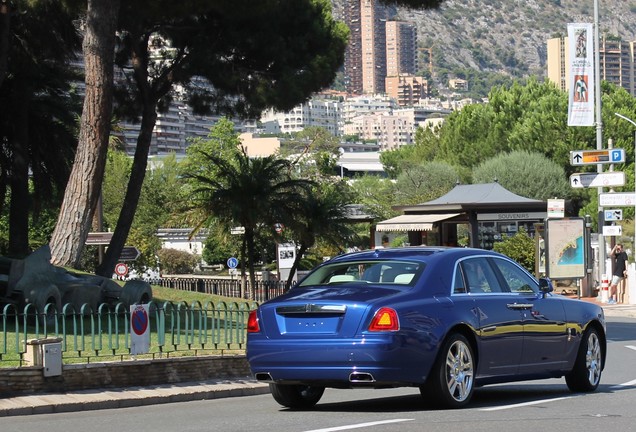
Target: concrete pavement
138	396
87	400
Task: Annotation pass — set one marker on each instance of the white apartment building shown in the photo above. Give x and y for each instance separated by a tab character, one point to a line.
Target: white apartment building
321	112
173	130
390	131
361	105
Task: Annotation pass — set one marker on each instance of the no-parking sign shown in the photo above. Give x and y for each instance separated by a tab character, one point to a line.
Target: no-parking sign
139	329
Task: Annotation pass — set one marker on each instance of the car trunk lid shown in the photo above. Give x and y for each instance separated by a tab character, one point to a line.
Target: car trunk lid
337	312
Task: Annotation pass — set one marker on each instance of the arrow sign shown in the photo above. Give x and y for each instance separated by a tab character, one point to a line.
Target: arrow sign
613	230
129	253
588	157
617	199
606	179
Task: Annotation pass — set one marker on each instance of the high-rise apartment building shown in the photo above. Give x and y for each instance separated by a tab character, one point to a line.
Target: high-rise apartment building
616	62
365	57
401	48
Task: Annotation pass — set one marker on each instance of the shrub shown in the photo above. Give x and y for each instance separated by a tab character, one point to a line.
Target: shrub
520	248
175	261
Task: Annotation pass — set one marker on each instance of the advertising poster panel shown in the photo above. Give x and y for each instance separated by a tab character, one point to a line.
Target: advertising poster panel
565	248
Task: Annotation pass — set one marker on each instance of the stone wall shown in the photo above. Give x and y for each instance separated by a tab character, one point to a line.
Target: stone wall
133	373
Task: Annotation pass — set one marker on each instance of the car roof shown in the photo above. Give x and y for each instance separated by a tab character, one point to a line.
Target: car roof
416	253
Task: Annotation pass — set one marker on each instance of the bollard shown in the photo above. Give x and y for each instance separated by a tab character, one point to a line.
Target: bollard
604	289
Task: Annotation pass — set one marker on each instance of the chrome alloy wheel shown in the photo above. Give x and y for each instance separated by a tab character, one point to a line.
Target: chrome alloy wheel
459	371
593	359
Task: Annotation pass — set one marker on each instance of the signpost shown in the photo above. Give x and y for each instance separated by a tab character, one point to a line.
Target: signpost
612	230
593	157
613	215
121	269
129	253
140	329
617	199
605	179
99	238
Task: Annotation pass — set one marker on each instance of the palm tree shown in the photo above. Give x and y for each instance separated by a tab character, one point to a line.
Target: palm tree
322	215
253	193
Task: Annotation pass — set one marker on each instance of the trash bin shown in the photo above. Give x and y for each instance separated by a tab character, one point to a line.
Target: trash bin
46	353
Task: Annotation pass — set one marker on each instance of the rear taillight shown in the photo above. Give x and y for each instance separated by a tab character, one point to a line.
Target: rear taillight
385	319
252	323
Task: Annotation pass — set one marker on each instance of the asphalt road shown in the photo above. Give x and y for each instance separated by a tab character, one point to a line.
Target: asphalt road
545	405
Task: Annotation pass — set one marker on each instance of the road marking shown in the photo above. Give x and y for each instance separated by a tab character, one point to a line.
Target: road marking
627	384
631	347
503	407
359	425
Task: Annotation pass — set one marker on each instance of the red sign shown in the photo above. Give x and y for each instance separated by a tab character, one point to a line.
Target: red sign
121	269
139	320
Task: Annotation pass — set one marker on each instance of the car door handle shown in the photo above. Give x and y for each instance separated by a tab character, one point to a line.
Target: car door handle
520	306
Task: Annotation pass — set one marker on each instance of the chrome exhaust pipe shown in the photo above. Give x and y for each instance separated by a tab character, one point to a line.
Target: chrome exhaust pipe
361	377
263	376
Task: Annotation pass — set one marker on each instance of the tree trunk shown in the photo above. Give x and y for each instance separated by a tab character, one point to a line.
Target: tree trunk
133	191
250	262
292	272
19	183
5	36
85	182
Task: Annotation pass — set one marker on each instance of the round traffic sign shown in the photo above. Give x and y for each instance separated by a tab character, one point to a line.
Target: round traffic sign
232	262
139	320
121	269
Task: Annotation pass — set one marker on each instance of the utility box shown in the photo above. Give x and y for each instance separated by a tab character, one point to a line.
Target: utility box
46	353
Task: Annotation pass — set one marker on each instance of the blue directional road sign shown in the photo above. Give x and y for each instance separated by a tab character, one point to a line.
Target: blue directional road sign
589	157
232	263
613	215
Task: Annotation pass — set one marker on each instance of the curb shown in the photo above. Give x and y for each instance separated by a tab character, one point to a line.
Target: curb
124	398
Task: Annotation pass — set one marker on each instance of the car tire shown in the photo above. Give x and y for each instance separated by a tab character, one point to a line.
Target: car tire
48	304
135	292
452	379
585	376
296	396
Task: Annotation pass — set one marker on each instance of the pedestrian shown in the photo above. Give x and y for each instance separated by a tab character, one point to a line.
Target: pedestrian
620	270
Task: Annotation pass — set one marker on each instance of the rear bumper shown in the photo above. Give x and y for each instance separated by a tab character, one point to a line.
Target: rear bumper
381	360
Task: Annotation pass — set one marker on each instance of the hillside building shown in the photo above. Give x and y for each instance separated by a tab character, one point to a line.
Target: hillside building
616	62
378	47
406	89
321	112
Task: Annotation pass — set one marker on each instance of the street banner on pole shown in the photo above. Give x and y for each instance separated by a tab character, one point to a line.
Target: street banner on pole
581	64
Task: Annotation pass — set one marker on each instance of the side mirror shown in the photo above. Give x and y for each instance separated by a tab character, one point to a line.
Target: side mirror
545	286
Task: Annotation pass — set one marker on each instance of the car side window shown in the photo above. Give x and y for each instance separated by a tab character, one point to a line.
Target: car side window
459	287
518	281
479	276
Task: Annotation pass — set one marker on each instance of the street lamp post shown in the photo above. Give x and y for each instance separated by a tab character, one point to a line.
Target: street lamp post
633	123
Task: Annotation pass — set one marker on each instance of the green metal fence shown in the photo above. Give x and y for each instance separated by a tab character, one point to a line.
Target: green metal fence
176	329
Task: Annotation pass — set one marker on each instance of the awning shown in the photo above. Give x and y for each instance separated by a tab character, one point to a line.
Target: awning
362	166
413	222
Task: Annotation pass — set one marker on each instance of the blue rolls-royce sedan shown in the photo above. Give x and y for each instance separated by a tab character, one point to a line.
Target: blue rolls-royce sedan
445	320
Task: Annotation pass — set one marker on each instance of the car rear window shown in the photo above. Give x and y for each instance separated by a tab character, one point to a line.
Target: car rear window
384	272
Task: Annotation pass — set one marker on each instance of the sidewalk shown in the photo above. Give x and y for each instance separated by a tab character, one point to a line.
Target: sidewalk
614	310
138	396
121	398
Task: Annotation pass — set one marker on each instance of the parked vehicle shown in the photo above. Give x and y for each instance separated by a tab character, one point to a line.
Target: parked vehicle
445	320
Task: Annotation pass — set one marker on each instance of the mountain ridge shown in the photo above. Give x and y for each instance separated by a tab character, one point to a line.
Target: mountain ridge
507	37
